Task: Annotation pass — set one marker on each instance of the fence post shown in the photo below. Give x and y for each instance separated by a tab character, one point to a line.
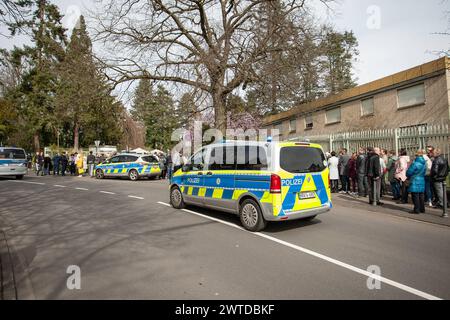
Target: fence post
396	141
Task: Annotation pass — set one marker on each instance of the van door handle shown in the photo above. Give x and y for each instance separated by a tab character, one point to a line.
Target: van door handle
210	173
200	173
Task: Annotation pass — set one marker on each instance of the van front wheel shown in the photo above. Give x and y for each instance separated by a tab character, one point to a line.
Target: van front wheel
176	198
251	216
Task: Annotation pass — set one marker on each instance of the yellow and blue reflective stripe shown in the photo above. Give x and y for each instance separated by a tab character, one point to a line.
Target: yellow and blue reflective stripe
220	186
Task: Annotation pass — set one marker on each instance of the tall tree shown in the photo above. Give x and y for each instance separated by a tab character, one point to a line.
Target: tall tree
38	85
160	120
340	50
83	98
209	45
142	96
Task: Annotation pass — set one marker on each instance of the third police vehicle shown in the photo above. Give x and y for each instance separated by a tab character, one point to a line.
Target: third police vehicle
13	162
259	181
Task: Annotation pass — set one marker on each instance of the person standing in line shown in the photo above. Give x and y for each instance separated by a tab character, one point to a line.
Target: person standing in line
395	184
64	162
91	163
374	176
343	170
416	175
428	187
162	165
429	157
72	164
333	165
169	164
39	163
352	173
439	172
401	166
79	164
383	171
47	162
56	160
384	158
361	169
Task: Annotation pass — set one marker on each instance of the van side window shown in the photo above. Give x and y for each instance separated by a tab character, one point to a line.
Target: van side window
222	158
251	158
196	162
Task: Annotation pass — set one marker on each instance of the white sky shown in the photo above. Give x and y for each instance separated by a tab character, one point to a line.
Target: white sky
392	35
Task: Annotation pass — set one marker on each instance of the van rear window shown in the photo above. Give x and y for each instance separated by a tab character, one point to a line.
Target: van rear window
12	153
302	159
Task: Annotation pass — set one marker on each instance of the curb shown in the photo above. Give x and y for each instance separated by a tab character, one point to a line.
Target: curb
398	211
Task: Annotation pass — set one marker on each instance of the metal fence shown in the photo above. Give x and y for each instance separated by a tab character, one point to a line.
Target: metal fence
410	138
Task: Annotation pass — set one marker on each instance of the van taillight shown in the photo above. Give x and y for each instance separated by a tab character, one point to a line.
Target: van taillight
275	184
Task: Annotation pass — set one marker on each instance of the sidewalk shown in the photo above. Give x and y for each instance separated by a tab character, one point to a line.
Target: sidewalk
431	215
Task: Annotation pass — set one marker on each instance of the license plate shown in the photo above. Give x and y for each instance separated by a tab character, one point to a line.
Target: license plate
306	195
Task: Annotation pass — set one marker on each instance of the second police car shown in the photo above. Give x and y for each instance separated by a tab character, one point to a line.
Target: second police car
259	181
129	165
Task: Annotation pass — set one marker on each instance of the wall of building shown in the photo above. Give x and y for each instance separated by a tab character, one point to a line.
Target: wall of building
436	109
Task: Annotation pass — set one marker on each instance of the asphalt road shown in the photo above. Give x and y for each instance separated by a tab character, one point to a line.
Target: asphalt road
130	245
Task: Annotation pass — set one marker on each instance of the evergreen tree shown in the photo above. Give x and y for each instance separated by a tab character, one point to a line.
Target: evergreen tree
83	96
142	95
160	119
35	96
340	50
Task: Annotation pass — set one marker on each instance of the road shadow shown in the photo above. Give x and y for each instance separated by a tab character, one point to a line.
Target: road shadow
272	226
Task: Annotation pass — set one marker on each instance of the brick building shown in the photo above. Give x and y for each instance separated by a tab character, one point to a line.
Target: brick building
415	97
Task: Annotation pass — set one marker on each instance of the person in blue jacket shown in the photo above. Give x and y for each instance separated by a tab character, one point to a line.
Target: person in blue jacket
416	176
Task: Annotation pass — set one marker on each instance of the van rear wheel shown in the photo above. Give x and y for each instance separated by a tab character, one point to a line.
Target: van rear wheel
251	216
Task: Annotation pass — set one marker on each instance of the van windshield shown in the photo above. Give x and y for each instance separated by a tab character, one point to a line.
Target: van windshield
302	159
12	154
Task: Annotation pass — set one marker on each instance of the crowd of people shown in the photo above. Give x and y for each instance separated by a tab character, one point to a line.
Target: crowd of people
65	164
372	172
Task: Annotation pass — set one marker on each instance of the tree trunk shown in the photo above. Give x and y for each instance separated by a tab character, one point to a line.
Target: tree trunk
220	113
37	145
76	130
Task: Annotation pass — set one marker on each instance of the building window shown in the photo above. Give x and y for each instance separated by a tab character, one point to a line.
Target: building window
309	122
367	107
292	125
411	96
333	115
277	130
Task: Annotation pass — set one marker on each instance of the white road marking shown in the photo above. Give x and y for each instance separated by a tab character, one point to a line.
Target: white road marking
59	186
164	204
135	197
30	182
323	257
84	189
107	192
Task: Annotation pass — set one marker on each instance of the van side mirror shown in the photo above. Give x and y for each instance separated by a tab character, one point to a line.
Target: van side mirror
185	168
